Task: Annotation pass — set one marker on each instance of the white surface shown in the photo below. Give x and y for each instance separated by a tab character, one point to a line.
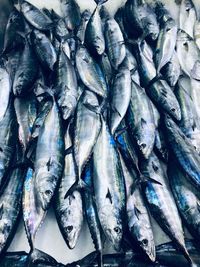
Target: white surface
49	238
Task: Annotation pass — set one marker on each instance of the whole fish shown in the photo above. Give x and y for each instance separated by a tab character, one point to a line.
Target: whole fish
172	70
49	157
141	120
189	119
184	152
188	55
69	211
26	72
114	41
187	199
15	24
90	72
44	49
94	37
86	118
5	92
120	95
85	17
35	16
159	199
91	214
187	17
167	37
159	92
26	112
66	85
71	13
41	183
60	29
138	218
10	207
109	187
8	140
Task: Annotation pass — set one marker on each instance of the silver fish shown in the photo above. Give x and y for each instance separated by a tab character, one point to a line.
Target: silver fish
85	17
35	17
138	218
114	42
188	55
141	120
166	39
69	211
85	120
187	17
94	37
66	85
71	13
90	73
109	187
160	199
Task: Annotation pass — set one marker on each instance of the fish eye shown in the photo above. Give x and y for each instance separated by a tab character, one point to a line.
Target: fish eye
69	228
143	145
48	192
117	230
145	242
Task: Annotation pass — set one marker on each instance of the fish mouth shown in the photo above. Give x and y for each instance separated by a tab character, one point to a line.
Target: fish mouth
72	241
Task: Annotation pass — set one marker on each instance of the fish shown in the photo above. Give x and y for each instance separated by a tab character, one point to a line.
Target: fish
15	259
15	24
189	119
140	119
194	90
10	206
41	183
8	140
106	67
109	188
187	17
66	85
167	38
188	55
139	224
35	16
120	97
44	49
187	199
26	112
71	13
26	72
94	36
69	211
172	70
85	17
86	118
159	91
134	11
161	146
183	151
6	88
159	199
90	72
119	17
91	214
114	42
60	30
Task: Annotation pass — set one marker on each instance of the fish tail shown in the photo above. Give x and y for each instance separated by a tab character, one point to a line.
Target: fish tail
79	185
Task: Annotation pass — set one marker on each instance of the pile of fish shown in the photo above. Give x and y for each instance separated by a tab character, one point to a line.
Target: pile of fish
100	118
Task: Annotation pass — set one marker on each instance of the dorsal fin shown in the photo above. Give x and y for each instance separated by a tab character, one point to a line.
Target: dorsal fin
109	196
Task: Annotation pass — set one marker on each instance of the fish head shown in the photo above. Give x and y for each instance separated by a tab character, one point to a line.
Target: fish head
114	231
14	16
45	187
142	232
67	105
71	219
26	7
